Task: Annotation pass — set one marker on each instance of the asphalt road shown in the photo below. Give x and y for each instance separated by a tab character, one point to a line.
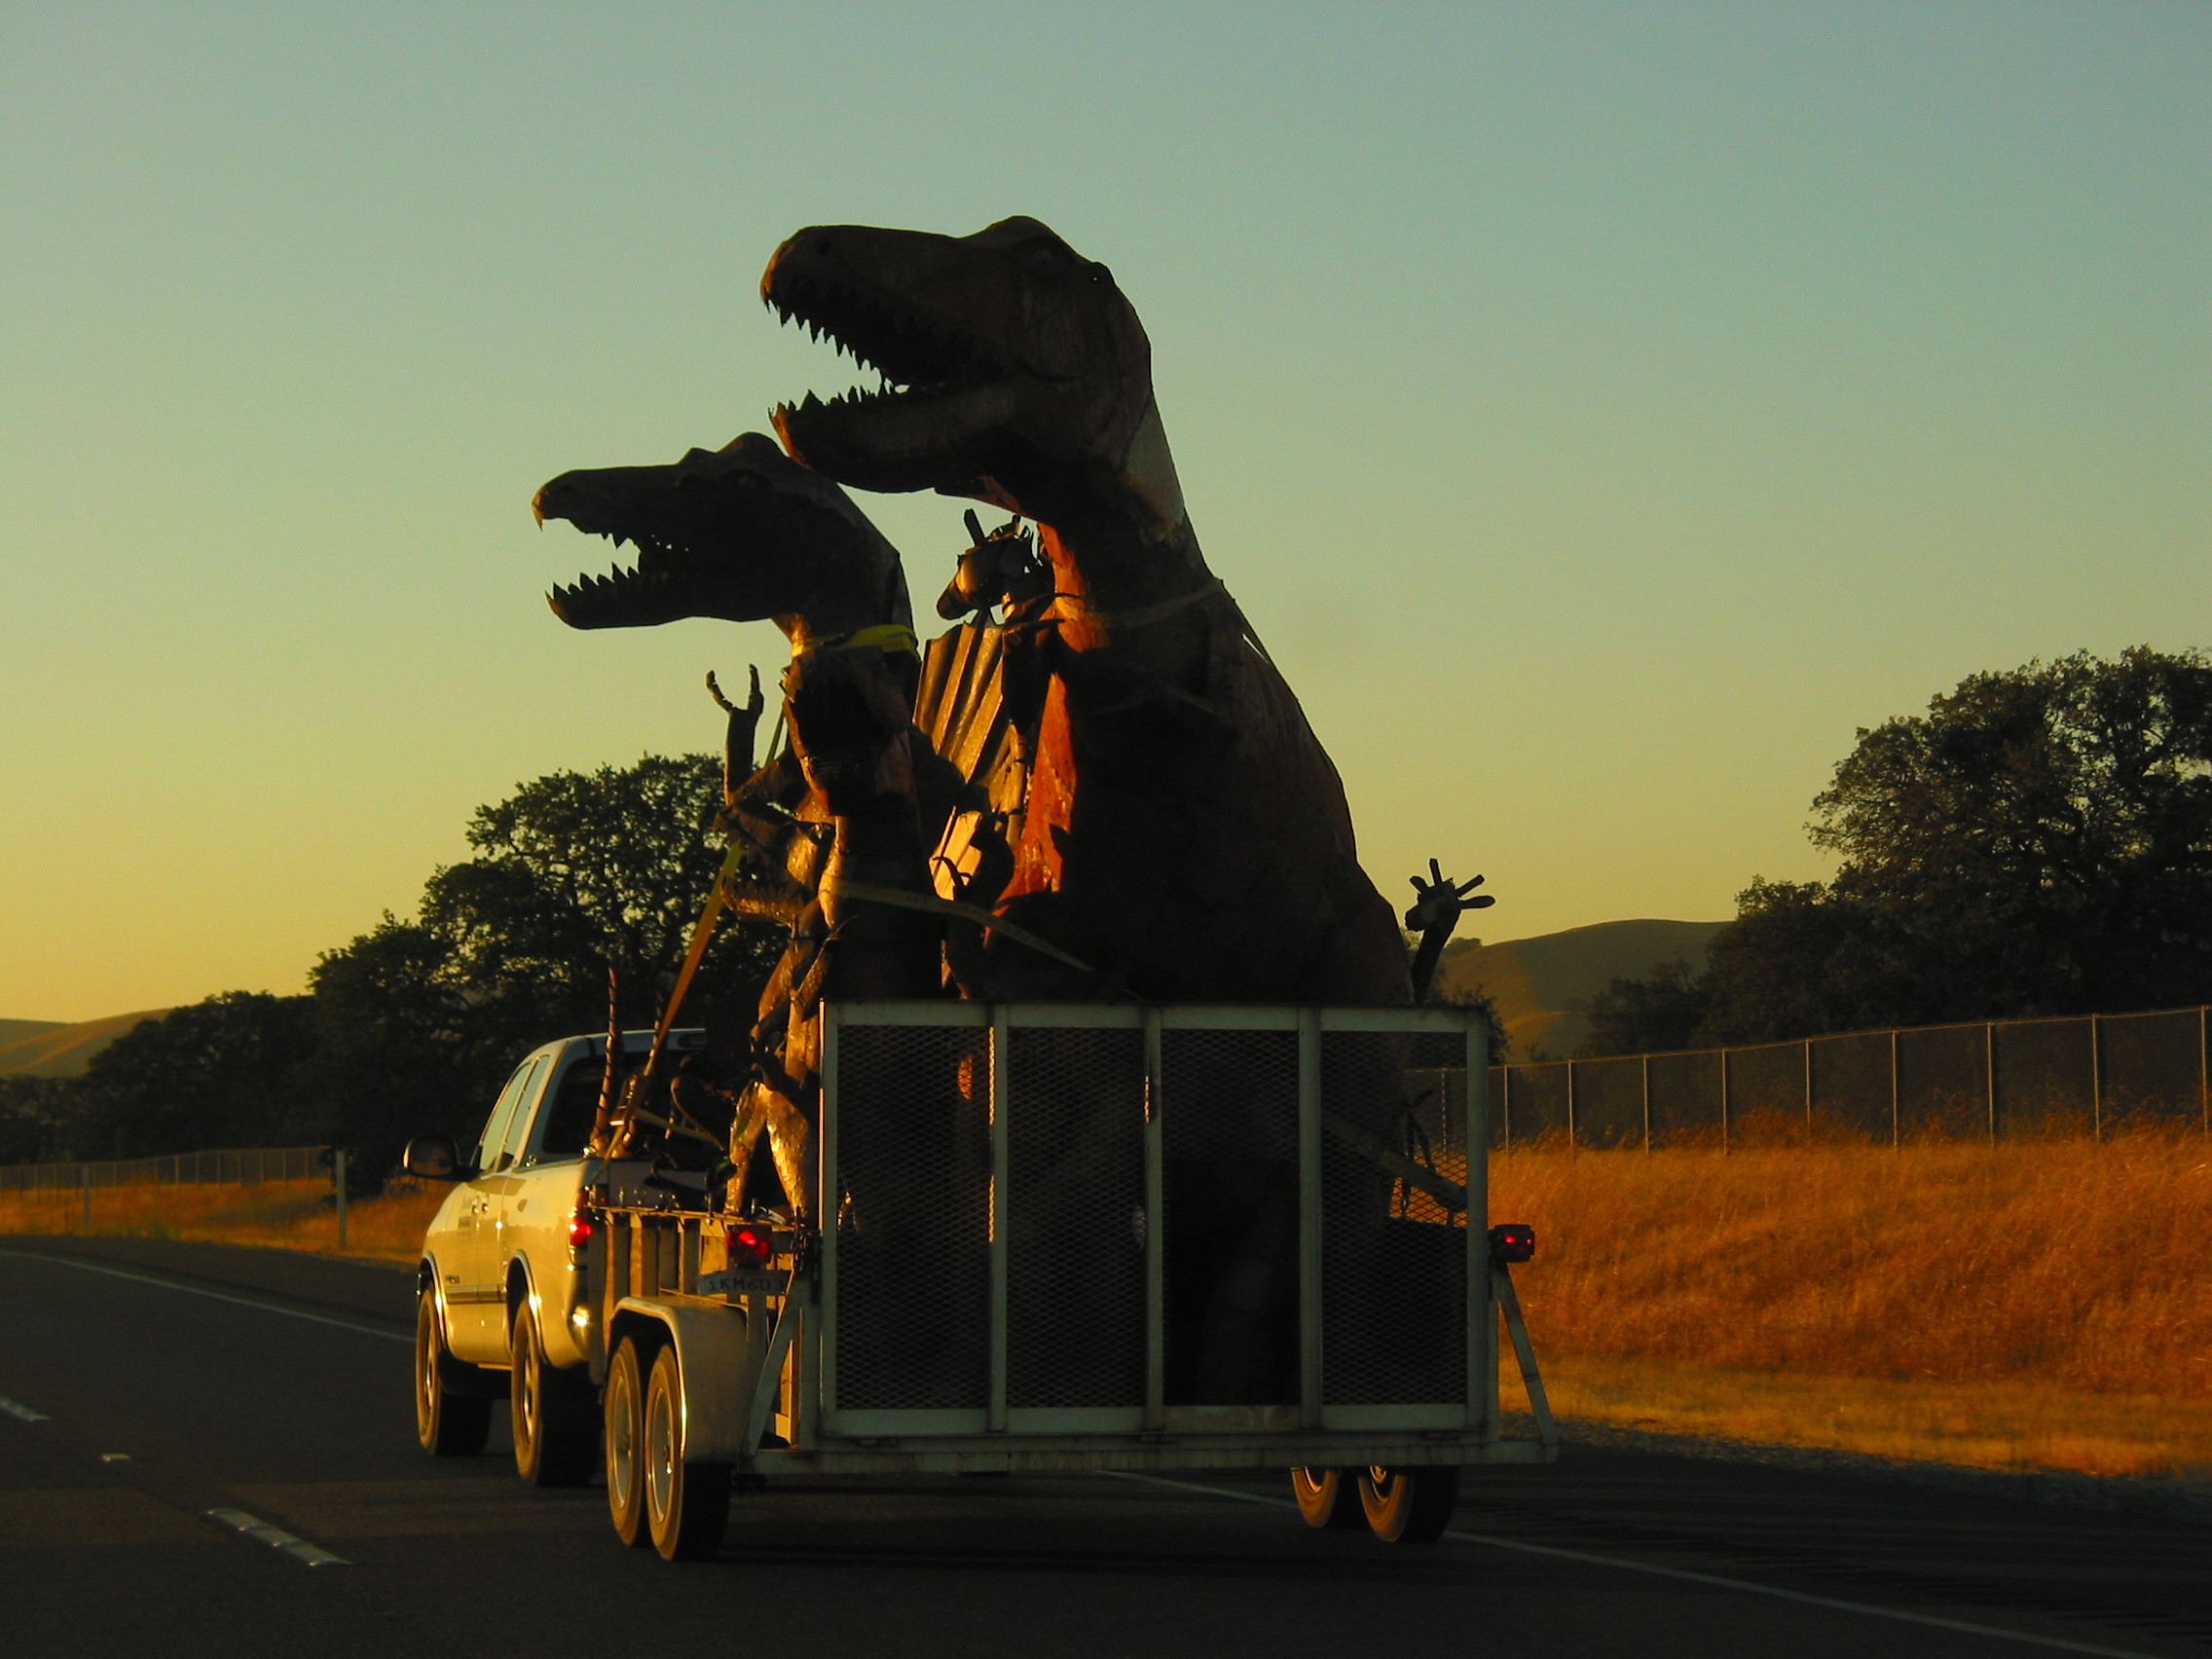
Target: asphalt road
170	1381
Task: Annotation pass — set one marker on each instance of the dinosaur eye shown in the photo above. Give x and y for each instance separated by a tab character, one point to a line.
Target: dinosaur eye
1044	259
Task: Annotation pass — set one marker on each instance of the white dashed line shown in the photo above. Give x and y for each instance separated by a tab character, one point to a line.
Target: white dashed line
15	1409
212	1294
298	1549
1930	1620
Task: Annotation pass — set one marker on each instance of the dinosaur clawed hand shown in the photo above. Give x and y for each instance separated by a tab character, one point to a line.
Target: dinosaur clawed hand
1438	901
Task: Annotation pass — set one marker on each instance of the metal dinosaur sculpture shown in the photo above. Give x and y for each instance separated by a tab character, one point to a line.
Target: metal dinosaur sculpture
1107	790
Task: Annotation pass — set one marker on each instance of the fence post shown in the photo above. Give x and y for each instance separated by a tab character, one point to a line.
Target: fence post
2097	1078
1573	1135
1724	1103
1648	1103
1808	1088
1989	1074
2203	1073
337	1176
1897	1126
85	1178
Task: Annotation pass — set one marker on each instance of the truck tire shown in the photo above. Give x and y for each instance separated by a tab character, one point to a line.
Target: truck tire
1328	1497
687	1504
625	1438
450	1418
556	1432
1410	1506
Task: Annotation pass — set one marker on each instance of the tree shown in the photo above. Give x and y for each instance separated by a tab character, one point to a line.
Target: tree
230	1071
37	1119
577	873
1641	1016
2039	843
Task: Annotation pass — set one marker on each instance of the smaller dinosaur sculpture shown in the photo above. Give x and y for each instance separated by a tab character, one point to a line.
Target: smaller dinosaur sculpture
744	533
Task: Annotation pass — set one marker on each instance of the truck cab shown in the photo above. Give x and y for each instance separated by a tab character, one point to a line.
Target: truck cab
503	1283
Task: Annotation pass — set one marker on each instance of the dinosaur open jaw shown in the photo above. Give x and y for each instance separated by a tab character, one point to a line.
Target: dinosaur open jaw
638	596
940	384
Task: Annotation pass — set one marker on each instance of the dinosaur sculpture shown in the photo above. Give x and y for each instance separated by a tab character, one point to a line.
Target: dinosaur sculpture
1108	790
1180	825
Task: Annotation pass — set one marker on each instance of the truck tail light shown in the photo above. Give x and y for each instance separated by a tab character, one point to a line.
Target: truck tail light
750	1246
579	1229
1513	1241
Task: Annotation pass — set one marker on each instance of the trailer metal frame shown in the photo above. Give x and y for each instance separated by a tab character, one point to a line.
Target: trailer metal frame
759	1348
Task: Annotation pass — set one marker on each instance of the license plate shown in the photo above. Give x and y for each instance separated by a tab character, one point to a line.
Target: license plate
756	1281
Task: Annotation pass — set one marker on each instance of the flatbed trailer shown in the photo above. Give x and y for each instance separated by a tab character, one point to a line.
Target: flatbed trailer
991	1286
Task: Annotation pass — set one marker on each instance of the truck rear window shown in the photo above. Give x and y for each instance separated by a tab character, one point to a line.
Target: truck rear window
570	1114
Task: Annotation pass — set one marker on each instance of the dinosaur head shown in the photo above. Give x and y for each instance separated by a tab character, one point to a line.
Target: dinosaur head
1013	369
740	533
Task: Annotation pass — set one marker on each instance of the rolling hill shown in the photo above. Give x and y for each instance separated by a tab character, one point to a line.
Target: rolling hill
1541	985
42	1048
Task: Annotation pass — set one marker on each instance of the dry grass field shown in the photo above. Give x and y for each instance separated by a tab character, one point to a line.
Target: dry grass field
2012	1306
2034	1305
290	1215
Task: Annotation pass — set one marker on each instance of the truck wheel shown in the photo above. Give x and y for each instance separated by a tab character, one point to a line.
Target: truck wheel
449	1424
1410	1506
625	1446
1325	1498
687	1504
555	1433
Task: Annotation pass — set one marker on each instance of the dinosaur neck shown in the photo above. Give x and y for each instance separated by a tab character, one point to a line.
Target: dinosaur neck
1118	538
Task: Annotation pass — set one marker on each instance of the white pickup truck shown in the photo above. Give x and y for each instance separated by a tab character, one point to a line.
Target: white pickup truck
505	1305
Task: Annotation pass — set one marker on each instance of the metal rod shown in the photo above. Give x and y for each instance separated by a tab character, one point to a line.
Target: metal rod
996	1420
822	1320
1310	1309
1155	1229
1530	1378
1481	1309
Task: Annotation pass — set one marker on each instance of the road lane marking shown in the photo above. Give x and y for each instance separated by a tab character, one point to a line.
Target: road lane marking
212	1294
16	1409
298	1549
1932	1621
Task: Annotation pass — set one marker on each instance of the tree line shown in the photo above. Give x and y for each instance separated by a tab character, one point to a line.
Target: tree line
411	1027
2039	843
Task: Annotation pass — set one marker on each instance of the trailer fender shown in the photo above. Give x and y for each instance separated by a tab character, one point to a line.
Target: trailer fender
710	1350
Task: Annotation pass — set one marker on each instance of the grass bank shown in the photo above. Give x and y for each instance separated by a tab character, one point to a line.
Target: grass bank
2037	1304
290	1215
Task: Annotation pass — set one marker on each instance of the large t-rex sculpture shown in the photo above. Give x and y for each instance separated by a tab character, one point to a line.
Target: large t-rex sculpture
1111	792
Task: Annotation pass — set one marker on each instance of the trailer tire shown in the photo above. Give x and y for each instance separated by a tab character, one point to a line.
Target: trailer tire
556	1431
1327	1497
687	1504
1410	1506
625	1445
450	1422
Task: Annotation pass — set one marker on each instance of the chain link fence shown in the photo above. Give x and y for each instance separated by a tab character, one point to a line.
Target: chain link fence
2028	1079
228	1167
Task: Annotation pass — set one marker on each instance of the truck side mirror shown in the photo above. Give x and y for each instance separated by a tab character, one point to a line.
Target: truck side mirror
432	1157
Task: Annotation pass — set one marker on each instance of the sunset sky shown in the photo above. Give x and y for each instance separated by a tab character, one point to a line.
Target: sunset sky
1601	410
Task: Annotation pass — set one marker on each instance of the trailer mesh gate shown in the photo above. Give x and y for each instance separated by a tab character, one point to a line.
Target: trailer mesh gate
1066	1218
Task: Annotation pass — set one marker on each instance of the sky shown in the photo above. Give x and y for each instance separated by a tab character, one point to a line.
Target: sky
1602	410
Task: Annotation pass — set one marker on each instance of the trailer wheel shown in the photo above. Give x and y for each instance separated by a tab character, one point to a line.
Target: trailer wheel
554	1430
448	1424
625	1446
1325	1498
1410	1506
687	1504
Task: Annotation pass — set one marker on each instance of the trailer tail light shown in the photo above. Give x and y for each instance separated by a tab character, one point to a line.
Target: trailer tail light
1513	1241
750	1246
